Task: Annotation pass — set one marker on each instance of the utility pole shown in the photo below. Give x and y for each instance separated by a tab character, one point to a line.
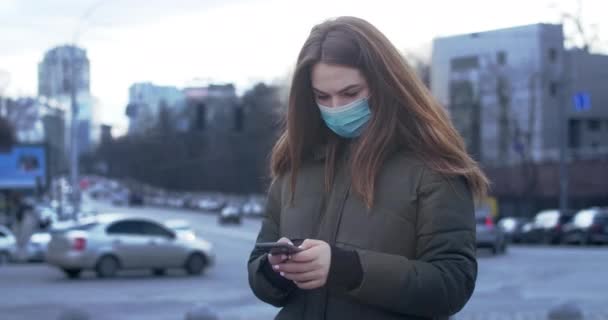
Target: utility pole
74	165
563	132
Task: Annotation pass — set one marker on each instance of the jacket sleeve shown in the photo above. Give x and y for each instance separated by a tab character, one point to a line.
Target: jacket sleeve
441	279
272	290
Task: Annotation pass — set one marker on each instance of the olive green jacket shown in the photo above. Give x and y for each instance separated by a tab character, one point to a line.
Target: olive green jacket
416	244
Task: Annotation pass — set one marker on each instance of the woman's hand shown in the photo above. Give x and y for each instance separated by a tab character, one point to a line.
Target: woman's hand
309	268
275	260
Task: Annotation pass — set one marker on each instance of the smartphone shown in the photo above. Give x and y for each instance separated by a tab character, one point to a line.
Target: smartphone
277	248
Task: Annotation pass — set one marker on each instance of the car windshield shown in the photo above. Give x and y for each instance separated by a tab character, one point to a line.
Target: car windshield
547	218
78	227
584	218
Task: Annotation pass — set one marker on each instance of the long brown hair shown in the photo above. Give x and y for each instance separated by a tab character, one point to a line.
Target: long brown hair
404	114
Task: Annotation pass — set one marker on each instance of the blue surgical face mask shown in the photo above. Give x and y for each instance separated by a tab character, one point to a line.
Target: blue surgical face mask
347	121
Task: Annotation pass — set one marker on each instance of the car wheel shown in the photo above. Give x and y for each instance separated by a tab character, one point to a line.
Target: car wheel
503	248
546	240
195	264
4	258
107	267
72	273
159	272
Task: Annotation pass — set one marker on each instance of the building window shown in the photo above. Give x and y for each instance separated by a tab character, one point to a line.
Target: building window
552	54
575	134
501	58
593	125
464	63
595	145
553	88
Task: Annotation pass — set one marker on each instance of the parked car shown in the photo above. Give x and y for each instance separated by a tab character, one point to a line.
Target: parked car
231	214
211	204
37	246
46	216
253	208
488	234
548	226
8	245
588	226
513	227
526	232
112	242
136	199
120	198
176	202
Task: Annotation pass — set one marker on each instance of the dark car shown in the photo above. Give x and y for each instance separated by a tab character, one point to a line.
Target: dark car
513	228
231	214
136	199
548	226
588	226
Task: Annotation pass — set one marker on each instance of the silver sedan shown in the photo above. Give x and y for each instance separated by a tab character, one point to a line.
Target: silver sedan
108	243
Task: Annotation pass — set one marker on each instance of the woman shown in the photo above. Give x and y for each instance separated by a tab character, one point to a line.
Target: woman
372	174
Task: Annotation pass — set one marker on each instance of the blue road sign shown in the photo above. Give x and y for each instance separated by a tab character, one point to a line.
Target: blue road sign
582	101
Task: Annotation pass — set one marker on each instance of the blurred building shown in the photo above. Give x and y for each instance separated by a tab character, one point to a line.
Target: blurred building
54	131
24	114
504	88
588	116
213	107
55	71
145	100
36	122
106	134
507	91
60	67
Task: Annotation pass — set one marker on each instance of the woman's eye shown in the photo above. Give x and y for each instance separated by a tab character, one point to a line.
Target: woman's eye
351	94
322	98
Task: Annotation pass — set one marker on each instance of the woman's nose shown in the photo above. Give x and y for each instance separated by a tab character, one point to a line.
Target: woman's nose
337	102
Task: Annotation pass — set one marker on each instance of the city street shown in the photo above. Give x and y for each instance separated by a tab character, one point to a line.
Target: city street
523	284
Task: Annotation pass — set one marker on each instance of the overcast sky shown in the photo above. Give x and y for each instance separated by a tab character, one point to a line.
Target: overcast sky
172	42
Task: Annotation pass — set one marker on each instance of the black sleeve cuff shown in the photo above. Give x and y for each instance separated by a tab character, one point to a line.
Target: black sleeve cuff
274	277
345	271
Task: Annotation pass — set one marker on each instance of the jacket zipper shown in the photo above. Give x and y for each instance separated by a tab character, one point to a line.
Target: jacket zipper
334	236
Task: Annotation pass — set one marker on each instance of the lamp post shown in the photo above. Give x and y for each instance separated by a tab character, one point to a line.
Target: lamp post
74	165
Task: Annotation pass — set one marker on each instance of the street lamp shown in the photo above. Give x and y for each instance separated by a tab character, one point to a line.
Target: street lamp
4	80
74	167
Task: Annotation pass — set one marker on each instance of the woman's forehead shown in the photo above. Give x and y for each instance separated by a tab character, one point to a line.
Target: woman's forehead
332	78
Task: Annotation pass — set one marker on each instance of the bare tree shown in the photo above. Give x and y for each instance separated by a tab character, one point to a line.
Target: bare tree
421	65
584	35
518	135
7	135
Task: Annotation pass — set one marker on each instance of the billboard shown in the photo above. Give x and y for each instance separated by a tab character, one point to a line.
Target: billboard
23	167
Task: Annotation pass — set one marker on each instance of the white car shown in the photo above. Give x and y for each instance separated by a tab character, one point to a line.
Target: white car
37	246
208	204
108	243
231	214
8	245
182	229
253	208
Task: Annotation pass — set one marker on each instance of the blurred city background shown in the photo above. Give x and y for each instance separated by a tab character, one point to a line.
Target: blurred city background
135	135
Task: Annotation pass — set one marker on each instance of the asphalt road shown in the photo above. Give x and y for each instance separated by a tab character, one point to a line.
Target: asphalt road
523	284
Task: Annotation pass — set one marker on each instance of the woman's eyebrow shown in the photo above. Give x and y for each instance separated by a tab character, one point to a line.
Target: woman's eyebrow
340	91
